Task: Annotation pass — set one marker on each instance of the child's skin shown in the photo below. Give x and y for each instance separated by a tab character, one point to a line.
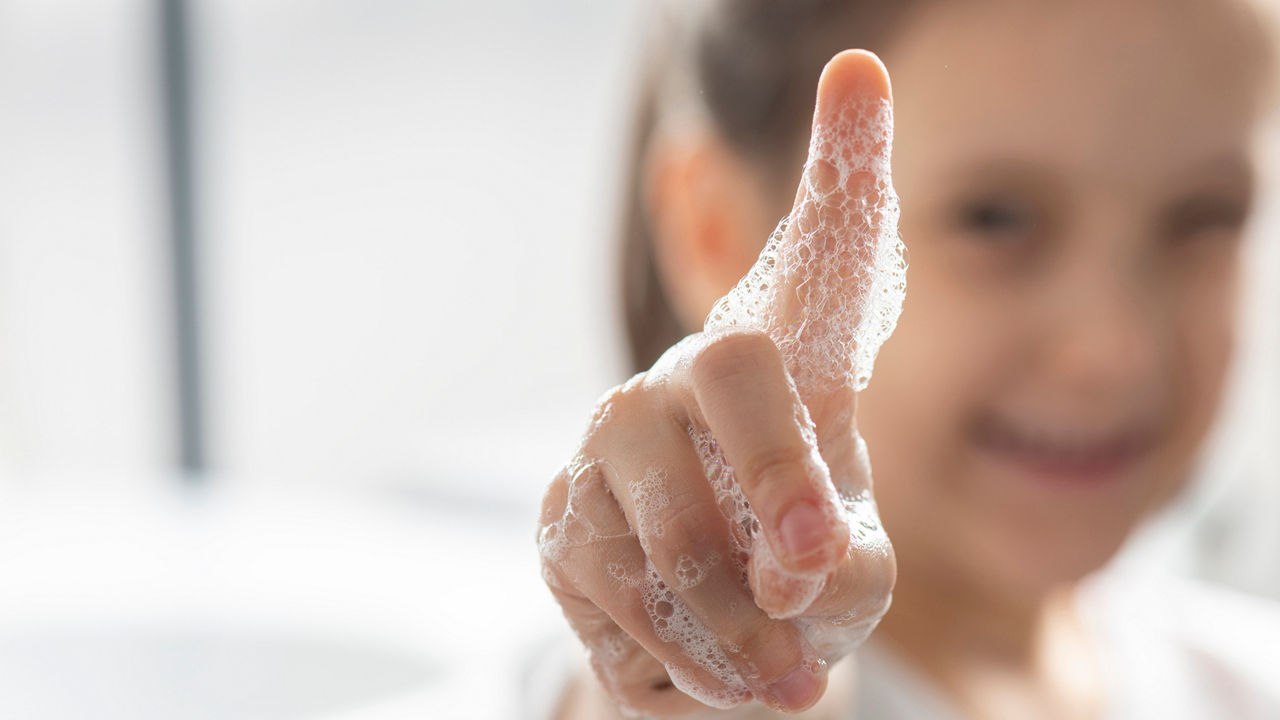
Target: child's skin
1074	180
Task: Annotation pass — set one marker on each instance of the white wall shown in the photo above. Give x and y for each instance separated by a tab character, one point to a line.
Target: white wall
83	364
411	261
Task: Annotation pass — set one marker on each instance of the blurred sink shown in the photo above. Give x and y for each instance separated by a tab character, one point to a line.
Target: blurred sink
332	604
144	673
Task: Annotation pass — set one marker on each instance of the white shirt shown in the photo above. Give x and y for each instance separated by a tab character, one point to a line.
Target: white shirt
1173	650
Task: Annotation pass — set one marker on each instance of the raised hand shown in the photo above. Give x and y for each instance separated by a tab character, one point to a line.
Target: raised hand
716	532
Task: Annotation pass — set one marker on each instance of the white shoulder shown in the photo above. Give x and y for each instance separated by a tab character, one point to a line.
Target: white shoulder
1231	631
1179	648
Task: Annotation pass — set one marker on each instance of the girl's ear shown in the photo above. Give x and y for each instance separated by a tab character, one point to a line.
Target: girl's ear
709	218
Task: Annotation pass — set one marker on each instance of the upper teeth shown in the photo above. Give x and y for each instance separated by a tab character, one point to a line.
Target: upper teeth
1067	442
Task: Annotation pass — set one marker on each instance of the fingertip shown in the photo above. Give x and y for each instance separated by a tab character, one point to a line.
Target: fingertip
806	536
813	536
786	589
799	689
854	72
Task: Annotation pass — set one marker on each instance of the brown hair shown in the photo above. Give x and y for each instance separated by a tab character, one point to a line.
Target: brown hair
754	66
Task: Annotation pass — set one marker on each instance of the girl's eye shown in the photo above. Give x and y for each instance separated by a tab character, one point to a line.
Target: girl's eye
996	219
1207	217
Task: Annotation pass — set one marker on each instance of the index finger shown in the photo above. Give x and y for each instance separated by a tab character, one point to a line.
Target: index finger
828	286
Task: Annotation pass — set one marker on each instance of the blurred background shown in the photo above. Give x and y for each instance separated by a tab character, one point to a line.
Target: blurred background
301	305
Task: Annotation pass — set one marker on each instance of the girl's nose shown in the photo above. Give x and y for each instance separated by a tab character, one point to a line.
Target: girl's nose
1107	337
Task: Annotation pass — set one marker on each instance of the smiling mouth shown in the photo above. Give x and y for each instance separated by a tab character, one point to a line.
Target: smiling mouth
1074	456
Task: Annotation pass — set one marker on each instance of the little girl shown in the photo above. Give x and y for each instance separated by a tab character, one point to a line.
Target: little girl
1075	178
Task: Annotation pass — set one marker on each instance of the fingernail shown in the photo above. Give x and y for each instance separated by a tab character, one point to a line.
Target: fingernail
804	530
796	689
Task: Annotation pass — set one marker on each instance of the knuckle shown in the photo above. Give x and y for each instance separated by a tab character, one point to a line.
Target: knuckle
580	610
775	466
862	589
770	646
580	523
627	603
879	577
618	400
732	355
687	530
675	357
592	500
554	501
872	597
624	410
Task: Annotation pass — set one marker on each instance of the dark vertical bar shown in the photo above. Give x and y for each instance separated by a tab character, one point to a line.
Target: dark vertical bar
179	160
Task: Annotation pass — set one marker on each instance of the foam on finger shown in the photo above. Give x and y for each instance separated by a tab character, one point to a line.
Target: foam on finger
828	286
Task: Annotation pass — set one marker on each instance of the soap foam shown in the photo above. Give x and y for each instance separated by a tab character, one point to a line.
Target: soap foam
649	497
838	253
675	622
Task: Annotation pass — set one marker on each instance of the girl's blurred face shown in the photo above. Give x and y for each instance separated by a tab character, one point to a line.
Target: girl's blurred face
1074	181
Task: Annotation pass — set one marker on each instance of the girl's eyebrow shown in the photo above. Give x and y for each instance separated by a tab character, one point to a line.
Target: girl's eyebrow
1006	172
1236	170
1236	165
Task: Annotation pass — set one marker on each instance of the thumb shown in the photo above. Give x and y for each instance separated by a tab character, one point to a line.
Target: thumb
828	286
